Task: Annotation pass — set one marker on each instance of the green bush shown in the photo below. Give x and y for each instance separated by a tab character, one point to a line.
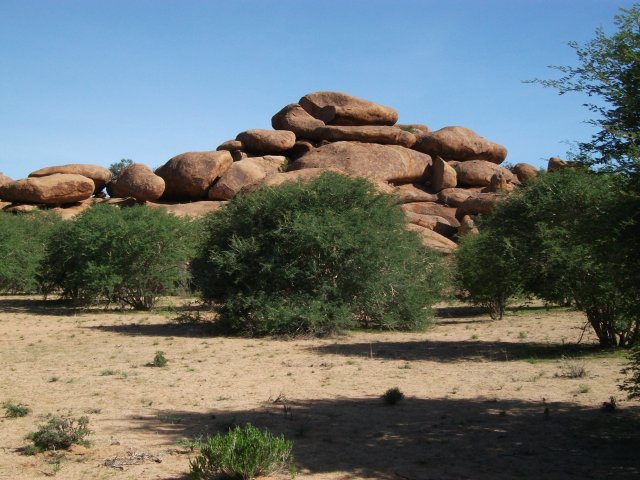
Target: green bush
392	396
129	256
567	234
159	360
15	410
486	272
632	383
60	433
243	453
22	247
315	258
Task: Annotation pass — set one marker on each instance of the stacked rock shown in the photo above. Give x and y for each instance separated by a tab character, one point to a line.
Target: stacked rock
442	178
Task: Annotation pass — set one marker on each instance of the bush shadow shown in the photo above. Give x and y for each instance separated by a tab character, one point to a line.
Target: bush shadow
441	438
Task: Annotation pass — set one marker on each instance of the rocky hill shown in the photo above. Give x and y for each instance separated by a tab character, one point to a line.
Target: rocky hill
441	178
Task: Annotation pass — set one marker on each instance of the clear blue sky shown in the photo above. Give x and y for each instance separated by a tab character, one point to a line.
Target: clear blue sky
91	81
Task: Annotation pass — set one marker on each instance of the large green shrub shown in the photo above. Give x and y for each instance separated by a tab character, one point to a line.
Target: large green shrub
22	247
243	453
129	256
567	233
486	272
314	258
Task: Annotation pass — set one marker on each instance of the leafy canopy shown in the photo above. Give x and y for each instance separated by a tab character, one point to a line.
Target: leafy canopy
314	258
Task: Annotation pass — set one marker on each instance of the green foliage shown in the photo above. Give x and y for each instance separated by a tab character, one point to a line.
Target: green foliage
159	360
562	230
60	433
631	384
117	167
22	247
243	453
609	71
486	272
315	258
15	410
129	256
392	396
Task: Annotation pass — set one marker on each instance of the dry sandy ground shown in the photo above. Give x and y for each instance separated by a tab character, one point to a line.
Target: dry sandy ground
476	395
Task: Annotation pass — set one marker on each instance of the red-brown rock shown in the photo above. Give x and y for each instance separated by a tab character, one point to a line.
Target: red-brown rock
4	179
428	208
267	141
556	164
478	173
443	175
390	163
436	223
190	175
99	175
231	145
433	240
411	192
138	181
366	134
343	109
479	204
52	189
190	209
454	197
524	172
460	143
243	173
296	119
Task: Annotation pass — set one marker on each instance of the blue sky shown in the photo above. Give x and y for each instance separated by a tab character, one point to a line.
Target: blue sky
96	81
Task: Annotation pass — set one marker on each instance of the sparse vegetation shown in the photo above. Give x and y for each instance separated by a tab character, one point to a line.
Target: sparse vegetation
15	410
243	453
60	433
159	360
392	396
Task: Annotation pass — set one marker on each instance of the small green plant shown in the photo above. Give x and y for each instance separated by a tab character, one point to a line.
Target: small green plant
159	360
15	410
392	396
108	372
582	388
243	453
60	433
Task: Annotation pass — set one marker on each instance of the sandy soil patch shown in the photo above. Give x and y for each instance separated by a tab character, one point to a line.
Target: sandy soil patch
484	400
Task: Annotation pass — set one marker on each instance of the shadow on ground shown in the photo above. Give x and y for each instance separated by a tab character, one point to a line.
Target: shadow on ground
451	351
32	306
435	438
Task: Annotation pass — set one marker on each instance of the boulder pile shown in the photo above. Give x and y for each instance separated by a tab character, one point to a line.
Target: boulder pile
441	178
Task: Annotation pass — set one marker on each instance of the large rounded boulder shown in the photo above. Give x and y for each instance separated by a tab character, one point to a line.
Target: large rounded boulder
54	189
296	119
390	163
138	181
244	173
99	175
460	143
337	108
267	141
4	179
190	175
478	173
368	134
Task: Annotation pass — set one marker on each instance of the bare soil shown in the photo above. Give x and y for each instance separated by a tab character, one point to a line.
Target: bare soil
484	399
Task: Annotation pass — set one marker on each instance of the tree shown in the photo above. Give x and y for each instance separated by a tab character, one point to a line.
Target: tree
563	229
117	167
486	271
315	258
129	256
609	71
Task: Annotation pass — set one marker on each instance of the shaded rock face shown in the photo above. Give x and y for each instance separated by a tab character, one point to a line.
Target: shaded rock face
390	163
433	240
443	175
190	175
454	197
482	203
54	189
296	119
367	134
478	173
138	181
243	173
337	108
426	208
305	175
411	192
524	172
267	141
460	143
99	175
